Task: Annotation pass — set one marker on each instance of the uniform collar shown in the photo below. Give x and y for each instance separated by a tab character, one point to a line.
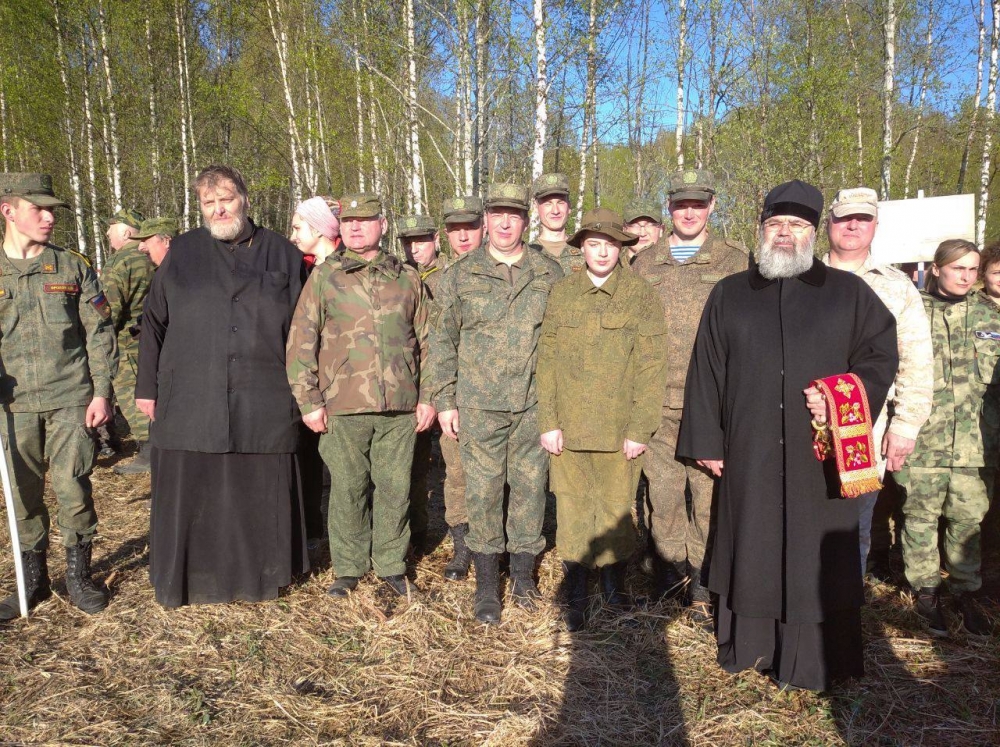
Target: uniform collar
664	255
609	287
47	262
869	265
381	262
815	275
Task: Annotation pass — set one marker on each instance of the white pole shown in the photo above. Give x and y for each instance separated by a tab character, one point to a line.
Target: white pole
8	494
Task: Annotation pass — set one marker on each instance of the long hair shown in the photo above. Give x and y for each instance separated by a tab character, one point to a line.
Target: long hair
948	251
210	176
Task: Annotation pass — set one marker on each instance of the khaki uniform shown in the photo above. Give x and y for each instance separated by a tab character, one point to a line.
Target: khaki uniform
601	368
683	288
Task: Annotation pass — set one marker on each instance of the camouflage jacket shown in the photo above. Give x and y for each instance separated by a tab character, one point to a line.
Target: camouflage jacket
431	274
485	342
911	393
56	342
683	288
602	361
358	338
126	283
964	424
570	259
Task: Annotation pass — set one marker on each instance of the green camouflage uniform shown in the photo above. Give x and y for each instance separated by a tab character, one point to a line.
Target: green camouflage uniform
570	258
601	367
950	472
356	346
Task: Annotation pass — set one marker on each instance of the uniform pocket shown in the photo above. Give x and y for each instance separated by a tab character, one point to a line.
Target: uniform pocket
986	361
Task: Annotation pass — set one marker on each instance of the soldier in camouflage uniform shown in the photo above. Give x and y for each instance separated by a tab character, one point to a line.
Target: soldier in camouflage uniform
551	195
644	218
483	349
950	473
463	224
601	367
355	352
683	281
59	356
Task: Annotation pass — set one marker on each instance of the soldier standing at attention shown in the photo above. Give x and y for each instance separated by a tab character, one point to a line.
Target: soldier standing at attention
463	224
483	351
683	269
643	218
59	358
551	194
355	358
601	363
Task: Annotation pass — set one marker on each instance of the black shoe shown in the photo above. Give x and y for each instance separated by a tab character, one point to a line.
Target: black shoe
139	464
575	589
418	544
487	609
878	566
613	586
929	609
522	581
83	592
343	586
36	585
700	604
669	579
400	586
458	567
973	619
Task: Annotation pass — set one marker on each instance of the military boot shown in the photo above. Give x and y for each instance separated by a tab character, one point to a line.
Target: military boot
669	579
613	586
700	604
458	567
83	592
522	581
575	589
487	608
36	585
108	442
973	619
929	609
139	464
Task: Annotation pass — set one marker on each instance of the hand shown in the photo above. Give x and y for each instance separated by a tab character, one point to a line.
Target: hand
816	403
426	415
895	449
448	420
147	407
316	420
632	449
98	412
715	466
552	442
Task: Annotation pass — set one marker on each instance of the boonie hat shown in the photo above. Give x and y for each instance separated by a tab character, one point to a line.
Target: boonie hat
507	195
550	184
410	226
857	201
156	227
360	205
462	209
127	216
643	209
605	222
692	184
35	188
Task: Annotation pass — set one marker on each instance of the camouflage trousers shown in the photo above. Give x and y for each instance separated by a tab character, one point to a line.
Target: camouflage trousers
498	448
594	494
677	535
124	386
361	449
61	437
454	482
962	497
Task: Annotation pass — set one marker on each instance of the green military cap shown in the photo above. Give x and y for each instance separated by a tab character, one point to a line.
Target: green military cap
127	216
410	226
35	188
605	222
550	184
156	227
692	184
361	205
643	209
462	209
507	195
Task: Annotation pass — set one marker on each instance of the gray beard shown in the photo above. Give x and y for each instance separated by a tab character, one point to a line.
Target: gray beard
230	232
774	264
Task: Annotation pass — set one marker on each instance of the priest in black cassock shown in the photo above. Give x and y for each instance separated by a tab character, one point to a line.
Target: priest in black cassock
226	520
785	560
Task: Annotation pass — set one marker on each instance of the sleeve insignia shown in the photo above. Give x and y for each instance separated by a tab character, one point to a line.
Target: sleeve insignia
100	304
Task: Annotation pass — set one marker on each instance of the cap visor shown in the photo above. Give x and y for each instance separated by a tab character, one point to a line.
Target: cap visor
632	218
462	218
695	194
543	193
348	213
45	201
508	204
853	209
626	239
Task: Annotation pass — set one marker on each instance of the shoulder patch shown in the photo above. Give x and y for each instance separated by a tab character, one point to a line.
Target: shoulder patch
100	304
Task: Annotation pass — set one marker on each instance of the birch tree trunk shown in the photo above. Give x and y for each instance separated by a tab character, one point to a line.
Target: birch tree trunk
415	182
482	33
587	141
991	103
154	129
888	92
923	96
182	100
466	151
378	180
280	37
963	169
541	92
3	129
713	77
109	88
859	143
681	58
358	100
88	122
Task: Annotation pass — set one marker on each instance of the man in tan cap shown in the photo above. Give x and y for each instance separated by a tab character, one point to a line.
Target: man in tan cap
483	351
551	196
850	226
684	269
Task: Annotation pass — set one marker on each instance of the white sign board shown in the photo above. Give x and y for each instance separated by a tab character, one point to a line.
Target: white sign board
910	230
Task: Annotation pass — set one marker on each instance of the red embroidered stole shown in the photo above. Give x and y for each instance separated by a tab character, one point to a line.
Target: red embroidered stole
847	434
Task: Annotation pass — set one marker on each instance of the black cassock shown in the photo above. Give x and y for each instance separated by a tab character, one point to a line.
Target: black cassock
785	558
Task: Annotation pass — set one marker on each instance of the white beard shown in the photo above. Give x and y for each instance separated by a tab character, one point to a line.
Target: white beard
227	232
773	264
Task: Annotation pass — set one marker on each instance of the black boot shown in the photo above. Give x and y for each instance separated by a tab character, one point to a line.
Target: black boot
669	579
343	587
36	585
700	604
83	592
487	608
973	619
400	586
878	565
522	580
929	609
613	586
575	589
139	464
458	567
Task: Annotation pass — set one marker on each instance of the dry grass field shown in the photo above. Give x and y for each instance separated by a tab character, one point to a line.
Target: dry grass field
307	670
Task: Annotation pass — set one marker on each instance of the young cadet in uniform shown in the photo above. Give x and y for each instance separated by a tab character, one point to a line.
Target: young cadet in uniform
59	356
684	269
551	195
463	224
355	358
483	351
601	366
643	218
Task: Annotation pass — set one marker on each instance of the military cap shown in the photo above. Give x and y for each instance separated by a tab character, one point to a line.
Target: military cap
857	201
35	188
794	198
550	184
507	195
127	216
605	222
692	184
156	227
462	209
361	205
643	209
410	226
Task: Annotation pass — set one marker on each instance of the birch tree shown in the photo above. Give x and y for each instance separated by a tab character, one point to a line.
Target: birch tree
154	129
859	142
415	192
482	34
977	98
279	34
88	130
111	108
589	106
541	92
681	60
989	115
925	73
888	92
180	28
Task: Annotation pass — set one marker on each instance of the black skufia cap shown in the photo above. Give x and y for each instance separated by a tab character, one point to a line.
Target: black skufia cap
794	198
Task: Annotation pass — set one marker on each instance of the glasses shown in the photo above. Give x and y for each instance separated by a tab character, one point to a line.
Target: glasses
797	227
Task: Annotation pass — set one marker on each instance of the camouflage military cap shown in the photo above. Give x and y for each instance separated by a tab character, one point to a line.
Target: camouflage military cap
507	195
462	209
550	184
643	209
411	226
361	205
127	216
156	227
35	188
692	184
